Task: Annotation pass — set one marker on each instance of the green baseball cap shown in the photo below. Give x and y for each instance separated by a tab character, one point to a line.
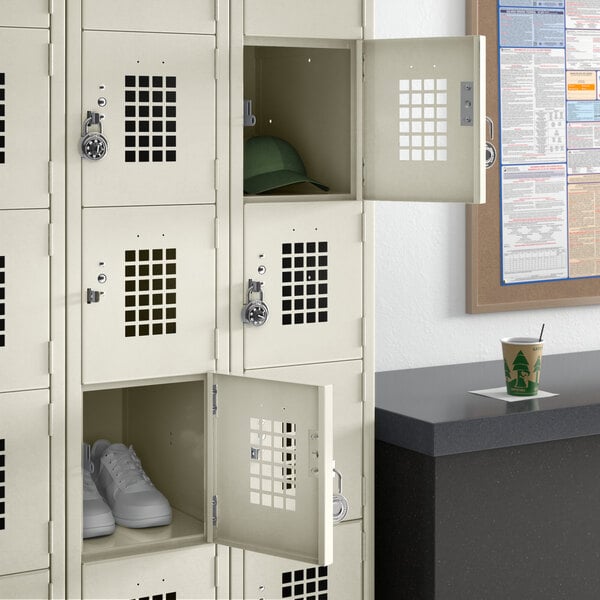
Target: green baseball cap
271	163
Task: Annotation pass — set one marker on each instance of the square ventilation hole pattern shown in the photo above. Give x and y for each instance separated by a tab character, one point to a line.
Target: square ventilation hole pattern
2	118
423	123
150	118
305	584
273	464
2	302
150	292
2	482
304	287
168	596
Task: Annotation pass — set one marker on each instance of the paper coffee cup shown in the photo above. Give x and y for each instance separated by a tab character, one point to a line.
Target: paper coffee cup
522	365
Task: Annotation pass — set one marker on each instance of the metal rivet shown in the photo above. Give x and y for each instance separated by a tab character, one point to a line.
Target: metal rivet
102	278
262	270
102	102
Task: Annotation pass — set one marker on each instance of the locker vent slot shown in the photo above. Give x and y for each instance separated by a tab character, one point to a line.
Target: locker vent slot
304	286
305	584
273	464
423	119
2	481
168	596
150	292
2	121
150	113
2	304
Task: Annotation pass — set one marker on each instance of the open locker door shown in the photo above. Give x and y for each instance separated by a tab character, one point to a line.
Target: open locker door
424	119
269	467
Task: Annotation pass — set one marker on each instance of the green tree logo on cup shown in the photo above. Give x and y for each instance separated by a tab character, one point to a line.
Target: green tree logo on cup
522	365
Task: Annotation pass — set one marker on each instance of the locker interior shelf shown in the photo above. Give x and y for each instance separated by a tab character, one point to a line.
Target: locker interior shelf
183	531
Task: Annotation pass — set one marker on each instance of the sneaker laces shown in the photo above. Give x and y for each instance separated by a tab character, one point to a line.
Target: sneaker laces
89	487
126	466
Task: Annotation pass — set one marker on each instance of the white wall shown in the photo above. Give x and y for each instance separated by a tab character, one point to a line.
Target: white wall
420	257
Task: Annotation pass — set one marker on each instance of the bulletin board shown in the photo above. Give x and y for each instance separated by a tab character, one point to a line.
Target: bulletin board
536	241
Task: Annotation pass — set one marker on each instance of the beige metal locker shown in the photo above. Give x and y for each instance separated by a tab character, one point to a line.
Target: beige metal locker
24	299
347	382
24	116
17	13
183	574
25	586
177	16
308	256
424	119
24	481
310	19
155	94
268	578
148	292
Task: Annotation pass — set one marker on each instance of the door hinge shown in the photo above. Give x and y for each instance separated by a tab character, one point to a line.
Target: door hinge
50	59
216	174
50	420
50	357
50	177
363	67
50	590
51	7
214	510
50	239
215	392
217	64
50	537
363	174
216	570
217	15
216	233
216	344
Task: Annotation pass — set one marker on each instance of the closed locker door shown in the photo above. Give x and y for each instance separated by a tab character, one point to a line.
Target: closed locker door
24	299
269	578
187	574
340	19
24	117
25	586
308	257
148	292
24	481
156	96
177	16
346	379
32	13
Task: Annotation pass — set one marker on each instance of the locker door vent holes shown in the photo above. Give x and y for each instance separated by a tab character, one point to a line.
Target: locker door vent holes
2	121
423	119
2	304
150	292
168	596
308	584
2	480
273	464
150	111
304	283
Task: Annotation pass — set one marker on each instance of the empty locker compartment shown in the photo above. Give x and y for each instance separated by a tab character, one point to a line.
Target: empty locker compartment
16	13
341	19
304	97
346	379
152	98
177	16
24	299
24	116
308	259
187	573
267	578
24	481
238	459
148	292
25	586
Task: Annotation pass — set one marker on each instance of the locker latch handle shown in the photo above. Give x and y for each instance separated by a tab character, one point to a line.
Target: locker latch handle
490	149
93	144
93	296
340	502
255	311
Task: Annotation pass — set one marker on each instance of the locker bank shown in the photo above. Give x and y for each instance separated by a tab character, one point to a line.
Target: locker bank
186	285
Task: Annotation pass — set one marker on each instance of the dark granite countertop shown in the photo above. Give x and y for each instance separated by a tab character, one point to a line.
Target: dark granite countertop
430	410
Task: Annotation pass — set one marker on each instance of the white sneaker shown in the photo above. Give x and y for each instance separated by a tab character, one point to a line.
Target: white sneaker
132	497
97	517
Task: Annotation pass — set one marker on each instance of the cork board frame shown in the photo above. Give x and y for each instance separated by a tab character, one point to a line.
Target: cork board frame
485	292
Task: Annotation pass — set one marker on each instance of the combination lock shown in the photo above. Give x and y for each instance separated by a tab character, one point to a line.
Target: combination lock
255	311
93	145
